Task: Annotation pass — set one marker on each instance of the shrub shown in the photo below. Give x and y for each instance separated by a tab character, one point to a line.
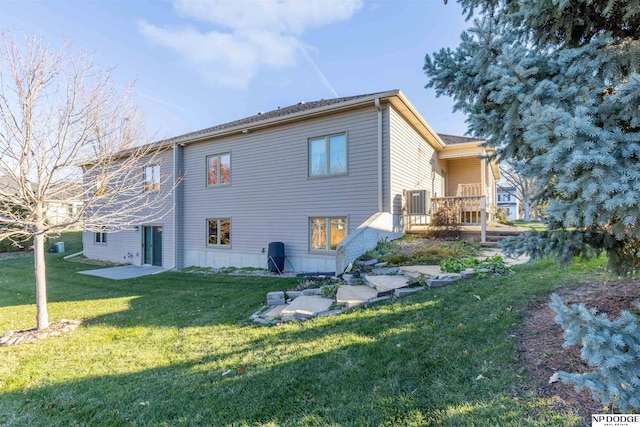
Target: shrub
445	221
501	218
610	346
490	265
329	290
457	265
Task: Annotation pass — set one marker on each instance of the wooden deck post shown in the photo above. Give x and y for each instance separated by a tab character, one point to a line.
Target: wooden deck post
483	219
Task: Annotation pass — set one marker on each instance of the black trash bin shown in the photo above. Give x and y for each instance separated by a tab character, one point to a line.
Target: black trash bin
275	262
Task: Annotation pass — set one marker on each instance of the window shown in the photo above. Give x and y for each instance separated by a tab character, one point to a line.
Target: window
504	197
218	232
101	186
152	178
219	169
326	233
101	236
328	155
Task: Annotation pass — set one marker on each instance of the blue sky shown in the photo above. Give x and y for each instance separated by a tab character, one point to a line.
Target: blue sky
201	63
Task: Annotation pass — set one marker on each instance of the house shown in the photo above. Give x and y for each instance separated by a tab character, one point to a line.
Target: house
508	202
328	178
63	203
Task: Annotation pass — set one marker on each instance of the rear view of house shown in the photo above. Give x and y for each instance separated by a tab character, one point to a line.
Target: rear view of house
328	179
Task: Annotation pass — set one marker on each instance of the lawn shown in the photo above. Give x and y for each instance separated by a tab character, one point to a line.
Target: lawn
177	349
530	225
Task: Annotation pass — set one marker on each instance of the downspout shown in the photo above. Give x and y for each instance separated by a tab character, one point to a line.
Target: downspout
175	206
379	108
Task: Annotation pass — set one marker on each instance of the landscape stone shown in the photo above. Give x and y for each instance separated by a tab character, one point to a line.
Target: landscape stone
308	305
381	264
437	283
294	294
385	270
370	262
348	293
311	291
348	278
467	273
275	298
274	312
354	304
378	299
416	271
398	293
387	283
452	276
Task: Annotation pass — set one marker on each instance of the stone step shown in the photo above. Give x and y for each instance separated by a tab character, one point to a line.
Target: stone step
387	283
274	312
354	295
307	305
416	271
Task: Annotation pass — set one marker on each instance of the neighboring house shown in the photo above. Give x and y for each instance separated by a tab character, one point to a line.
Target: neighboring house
508	202
65	203
65	199
327	178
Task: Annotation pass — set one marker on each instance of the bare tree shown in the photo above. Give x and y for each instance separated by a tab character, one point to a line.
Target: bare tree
513	173
61	119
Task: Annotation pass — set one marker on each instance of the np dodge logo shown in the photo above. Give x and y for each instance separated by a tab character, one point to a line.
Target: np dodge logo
615	420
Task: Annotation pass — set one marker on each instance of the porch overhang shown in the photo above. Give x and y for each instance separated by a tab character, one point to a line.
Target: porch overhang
474	150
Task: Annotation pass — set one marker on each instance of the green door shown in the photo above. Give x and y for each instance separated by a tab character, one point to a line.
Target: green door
152	245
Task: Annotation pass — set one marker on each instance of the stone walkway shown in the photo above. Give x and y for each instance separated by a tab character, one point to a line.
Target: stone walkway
381	284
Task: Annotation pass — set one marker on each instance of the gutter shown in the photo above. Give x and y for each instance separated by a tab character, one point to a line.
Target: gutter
379	108
276	121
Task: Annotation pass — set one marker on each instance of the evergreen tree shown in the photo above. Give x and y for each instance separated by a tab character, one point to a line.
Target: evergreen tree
610	346
555	84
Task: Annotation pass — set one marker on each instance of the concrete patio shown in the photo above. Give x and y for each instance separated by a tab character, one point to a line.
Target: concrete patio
124	272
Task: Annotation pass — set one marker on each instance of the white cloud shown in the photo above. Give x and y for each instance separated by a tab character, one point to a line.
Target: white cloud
246	35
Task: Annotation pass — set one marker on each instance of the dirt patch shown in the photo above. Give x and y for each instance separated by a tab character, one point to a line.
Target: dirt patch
540	339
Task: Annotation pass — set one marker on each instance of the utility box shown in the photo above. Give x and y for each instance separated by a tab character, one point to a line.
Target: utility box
59	246
417	202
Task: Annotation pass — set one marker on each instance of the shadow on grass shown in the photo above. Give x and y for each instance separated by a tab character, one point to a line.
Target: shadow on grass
437	358
342	371
170	298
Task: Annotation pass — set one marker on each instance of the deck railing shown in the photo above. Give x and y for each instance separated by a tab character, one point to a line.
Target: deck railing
471	210
469	207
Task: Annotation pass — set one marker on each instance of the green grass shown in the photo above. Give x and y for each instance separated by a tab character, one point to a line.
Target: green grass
165	351
535	225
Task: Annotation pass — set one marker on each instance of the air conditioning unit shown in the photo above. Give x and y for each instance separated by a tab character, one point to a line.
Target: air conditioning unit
417	202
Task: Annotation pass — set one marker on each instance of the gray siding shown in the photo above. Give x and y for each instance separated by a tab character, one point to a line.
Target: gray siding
271	197
410	162
126	246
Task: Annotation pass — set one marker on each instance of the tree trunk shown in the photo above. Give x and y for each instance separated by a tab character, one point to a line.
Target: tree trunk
42	316
527	209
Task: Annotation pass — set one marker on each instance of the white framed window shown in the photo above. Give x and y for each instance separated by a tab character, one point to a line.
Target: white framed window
328	155
100	237
219	169
219	232
152	178
326	232
101	186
